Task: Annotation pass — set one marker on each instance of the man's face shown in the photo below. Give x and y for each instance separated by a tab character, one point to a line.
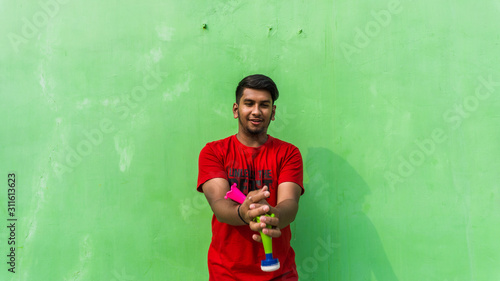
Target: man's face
254	111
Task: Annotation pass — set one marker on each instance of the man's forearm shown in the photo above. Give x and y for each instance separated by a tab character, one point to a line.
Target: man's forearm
226	211
287	210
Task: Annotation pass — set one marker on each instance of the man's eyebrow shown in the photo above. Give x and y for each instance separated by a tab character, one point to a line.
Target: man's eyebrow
251	100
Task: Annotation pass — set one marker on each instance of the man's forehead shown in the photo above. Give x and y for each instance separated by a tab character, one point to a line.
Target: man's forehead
256	95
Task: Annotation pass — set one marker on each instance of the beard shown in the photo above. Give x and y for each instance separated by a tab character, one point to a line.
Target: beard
254	131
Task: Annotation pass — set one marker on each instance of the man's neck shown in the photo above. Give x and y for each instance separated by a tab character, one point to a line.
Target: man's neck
252	141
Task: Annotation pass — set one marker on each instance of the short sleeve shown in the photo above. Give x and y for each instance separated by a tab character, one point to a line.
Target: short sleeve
292	168
209	166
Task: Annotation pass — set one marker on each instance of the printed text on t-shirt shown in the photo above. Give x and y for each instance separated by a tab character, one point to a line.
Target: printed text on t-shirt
248	180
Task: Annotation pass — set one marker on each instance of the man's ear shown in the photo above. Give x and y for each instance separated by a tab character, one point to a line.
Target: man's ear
235	110
273	113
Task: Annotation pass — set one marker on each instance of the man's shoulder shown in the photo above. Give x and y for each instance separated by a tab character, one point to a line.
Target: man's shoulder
219	145
281	143
223	141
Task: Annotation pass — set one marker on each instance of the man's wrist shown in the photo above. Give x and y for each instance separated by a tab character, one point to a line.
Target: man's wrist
239	215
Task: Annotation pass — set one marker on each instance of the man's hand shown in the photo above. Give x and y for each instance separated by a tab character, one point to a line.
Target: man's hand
255	205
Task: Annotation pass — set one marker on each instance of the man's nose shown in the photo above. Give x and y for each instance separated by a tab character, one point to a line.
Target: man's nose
256	110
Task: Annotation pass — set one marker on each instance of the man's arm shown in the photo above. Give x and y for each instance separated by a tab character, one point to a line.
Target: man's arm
224	210
288	203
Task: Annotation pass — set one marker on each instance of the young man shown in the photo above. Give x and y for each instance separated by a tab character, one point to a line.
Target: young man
268	171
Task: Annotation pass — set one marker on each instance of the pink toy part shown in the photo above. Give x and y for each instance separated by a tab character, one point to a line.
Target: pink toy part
235	194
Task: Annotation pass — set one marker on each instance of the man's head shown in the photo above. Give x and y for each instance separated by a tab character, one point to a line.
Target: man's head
254	107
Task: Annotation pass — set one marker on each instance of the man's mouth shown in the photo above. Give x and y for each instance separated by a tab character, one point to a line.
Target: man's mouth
256	121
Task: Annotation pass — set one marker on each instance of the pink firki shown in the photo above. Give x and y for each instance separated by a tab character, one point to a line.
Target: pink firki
235	194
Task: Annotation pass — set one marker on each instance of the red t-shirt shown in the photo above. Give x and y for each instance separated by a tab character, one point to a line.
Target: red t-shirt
233	254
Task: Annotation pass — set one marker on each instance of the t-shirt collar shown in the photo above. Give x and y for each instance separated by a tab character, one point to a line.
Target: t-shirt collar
268	141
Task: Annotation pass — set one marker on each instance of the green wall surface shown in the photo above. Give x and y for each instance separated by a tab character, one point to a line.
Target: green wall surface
106	105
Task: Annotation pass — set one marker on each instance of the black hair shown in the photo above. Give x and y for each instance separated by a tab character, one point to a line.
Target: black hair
257	82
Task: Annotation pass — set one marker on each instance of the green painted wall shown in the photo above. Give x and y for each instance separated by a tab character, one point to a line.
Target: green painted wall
393	104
